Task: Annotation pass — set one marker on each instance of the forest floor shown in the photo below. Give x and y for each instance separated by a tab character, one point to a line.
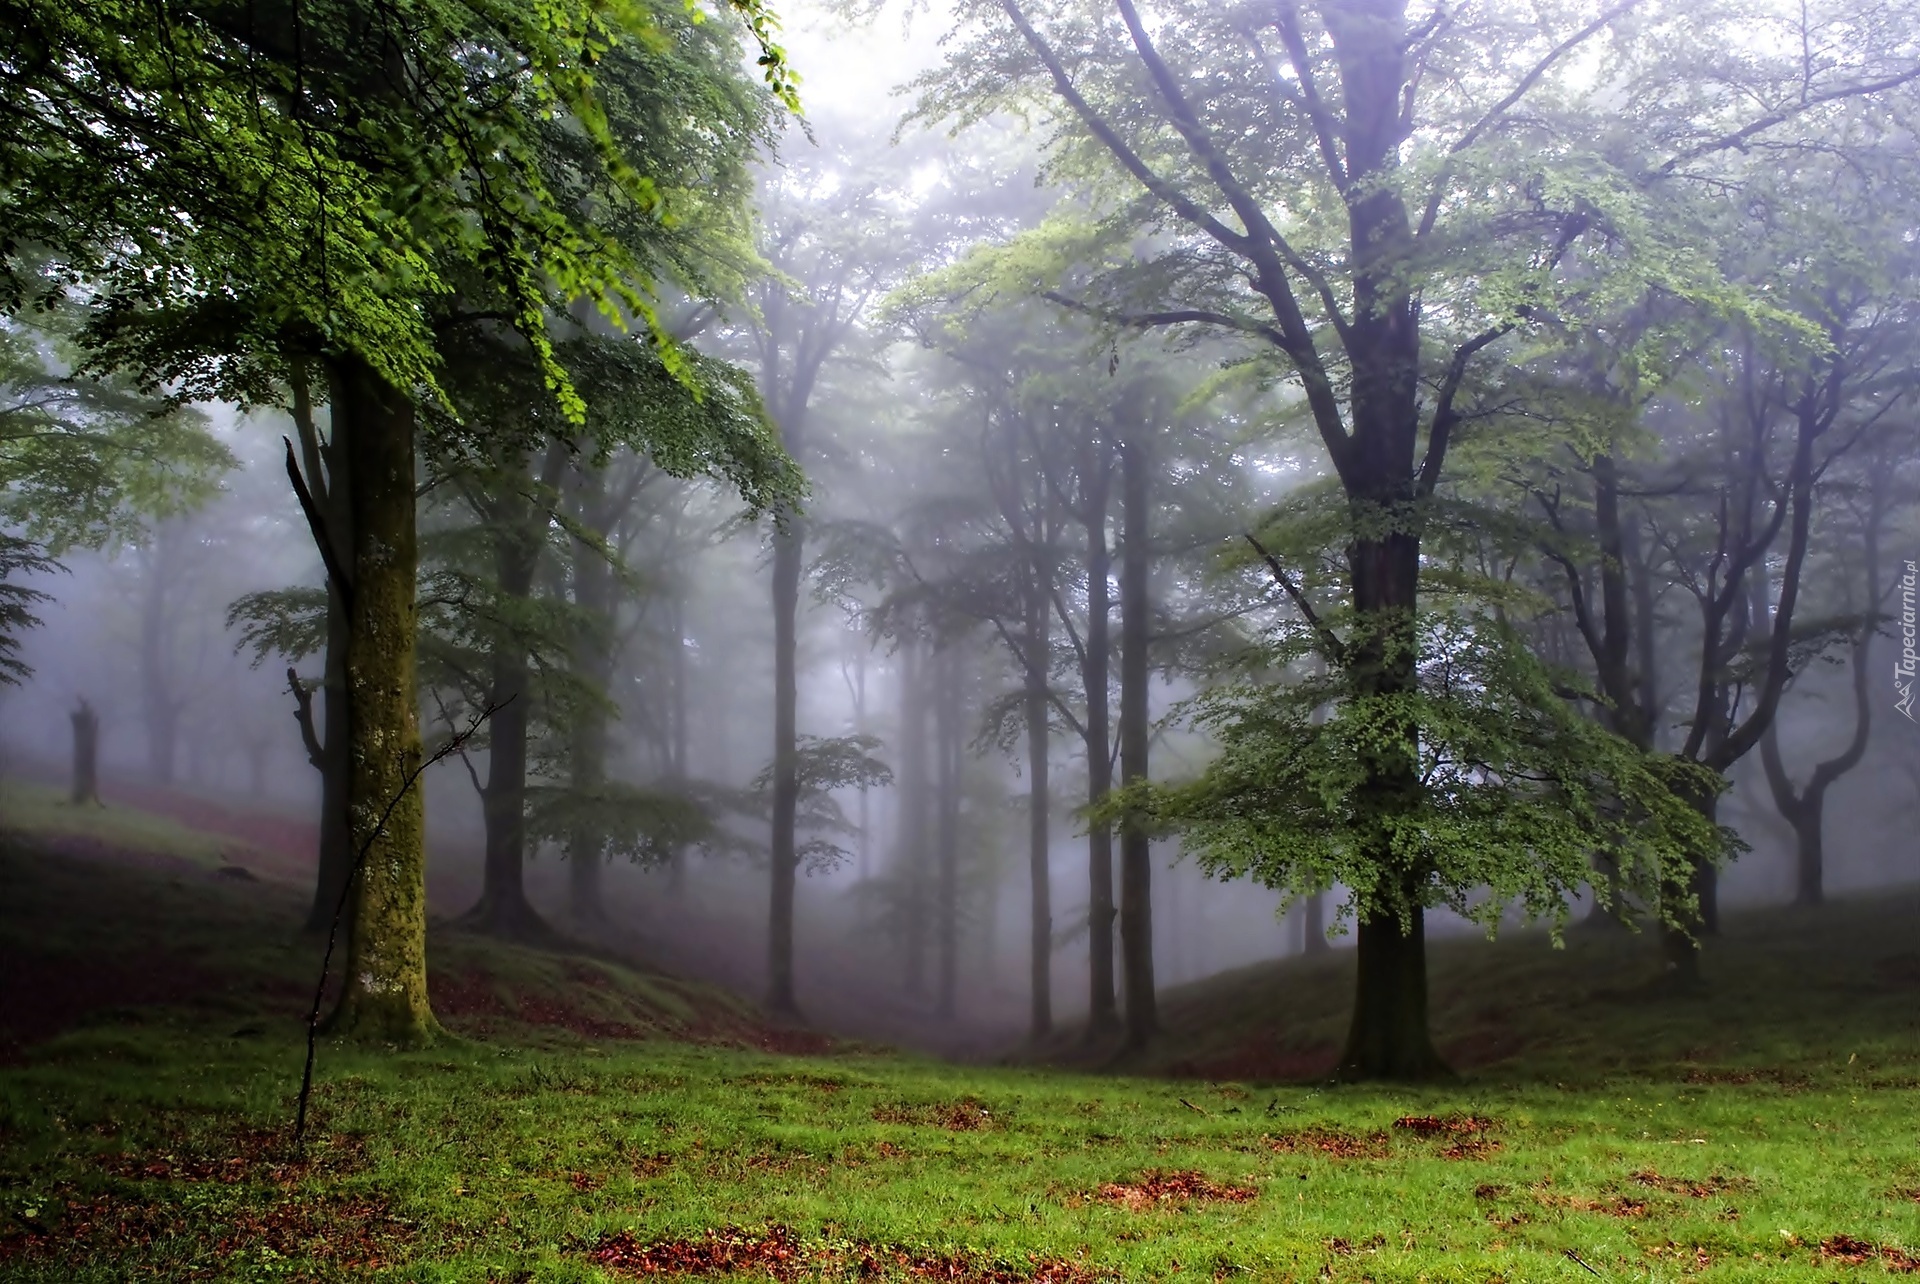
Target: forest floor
585	1121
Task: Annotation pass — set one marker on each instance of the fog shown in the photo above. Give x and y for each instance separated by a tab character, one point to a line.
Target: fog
1054	442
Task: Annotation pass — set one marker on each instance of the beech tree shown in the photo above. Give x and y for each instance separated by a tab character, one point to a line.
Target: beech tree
1345	187
240	189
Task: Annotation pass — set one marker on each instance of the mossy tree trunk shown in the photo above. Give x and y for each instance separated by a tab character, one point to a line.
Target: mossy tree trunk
384	997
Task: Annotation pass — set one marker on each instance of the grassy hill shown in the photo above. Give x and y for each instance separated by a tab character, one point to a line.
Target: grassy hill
593	1122
1786	991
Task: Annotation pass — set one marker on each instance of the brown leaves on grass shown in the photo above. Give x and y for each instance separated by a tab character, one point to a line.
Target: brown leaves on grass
1152	1189
1616	1206
969	1268
649	1166
1329	1142
349	1234
775	1252
1465	1133
1706	1189
1858	1252
1451	1126
964	1115
779	1253
243	1155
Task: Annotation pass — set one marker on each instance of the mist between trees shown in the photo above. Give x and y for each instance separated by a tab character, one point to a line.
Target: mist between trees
1180	484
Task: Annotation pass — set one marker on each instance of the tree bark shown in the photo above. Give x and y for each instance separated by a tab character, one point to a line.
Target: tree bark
1136	846
949	733
679	723
1806	809
516	531
86	755
587	743
787	556
160	712
385	993
327	478
910	850
1390	1037
1040	888
1313	931
1102	1012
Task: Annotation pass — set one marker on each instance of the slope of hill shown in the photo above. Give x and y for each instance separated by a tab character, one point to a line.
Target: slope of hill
1803	984
594	1122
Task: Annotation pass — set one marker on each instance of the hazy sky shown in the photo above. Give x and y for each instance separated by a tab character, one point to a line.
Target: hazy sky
849	68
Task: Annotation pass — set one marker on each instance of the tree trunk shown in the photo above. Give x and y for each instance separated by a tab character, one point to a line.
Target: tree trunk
1040	939
1810	862
787	555
385	993
1136	846
159	712
679	724
910	854
587	743
516	535
1102	1013
86	755
1389	1037
1681	943
1806	810
949	733
327	477
1313	934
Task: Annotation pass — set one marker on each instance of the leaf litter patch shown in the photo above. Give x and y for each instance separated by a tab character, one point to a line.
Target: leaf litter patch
350	1234
1329	1142
1466	1135
964	1115
244	1155
1158	1189
1858	1252
1706	1188
780	1254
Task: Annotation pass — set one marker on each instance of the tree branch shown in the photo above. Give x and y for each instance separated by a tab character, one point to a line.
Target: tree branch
303	714
317	526
1336	650
1782	115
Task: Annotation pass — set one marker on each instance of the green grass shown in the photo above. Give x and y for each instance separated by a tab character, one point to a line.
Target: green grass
1652	1137
37	811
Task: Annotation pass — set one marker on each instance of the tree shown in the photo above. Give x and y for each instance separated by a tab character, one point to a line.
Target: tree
1861	606
155	150
808	318
1371	221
